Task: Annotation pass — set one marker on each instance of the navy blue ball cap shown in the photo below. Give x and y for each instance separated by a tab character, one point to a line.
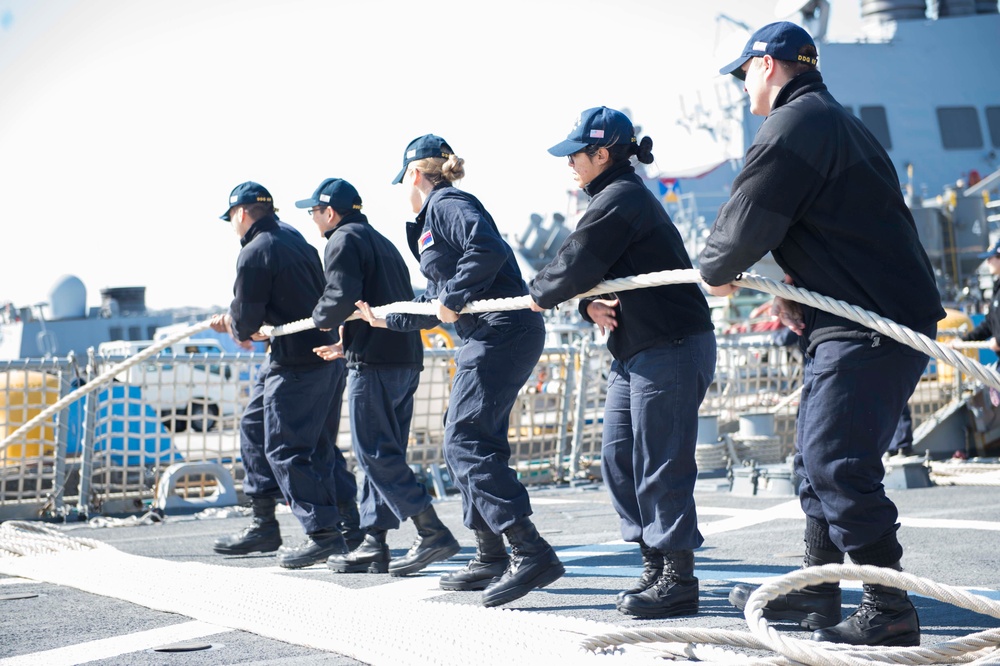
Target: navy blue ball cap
335	192
421	148
781	40
599	126
247	193
992	252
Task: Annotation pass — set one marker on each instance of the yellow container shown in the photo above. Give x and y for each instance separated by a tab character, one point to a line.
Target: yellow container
954	319
23	395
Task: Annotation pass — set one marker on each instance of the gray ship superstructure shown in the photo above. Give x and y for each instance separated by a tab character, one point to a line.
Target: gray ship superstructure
925	79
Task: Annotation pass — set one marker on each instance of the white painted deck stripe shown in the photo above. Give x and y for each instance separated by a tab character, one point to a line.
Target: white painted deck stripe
789	510
950	524
108	648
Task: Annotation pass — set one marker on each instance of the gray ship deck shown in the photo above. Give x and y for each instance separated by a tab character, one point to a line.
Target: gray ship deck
950	535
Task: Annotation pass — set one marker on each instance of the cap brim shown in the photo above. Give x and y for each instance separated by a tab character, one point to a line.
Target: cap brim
225	216
736	67
987	255
567	147
306	203
399	176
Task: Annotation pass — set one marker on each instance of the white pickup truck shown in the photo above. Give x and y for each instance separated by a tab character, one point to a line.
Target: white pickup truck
189	389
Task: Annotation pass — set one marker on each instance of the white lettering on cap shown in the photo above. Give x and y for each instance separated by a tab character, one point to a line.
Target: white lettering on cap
760	46
411	153
596	134
233	199
325	198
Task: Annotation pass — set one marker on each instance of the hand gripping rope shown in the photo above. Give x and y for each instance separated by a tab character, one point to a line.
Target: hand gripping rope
17	539
897	332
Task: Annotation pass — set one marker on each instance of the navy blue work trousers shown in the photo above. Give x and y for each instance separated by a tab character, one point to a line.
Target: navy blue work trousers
852	396
650	435
288	442
491	368
381	408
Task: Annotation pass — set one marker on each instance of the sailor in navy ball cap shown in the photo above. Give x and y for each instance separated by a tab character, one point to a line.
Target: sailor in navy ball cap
384	369
247	193
994	251
788	199
464	258
663	347
782	40
288	428
334	192
428	145
599	126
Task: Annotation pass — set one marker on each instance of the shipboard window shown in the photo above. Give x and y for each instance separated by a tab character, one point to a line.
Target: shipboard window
959	127
875	120
993	122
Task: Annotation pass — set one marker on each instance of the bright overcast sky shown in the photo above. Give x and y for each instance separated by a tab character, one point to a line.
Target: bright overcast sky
125	124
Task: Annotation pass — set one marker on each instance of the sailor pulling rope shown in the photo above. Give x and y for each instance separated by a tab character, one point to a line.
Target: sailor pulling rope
897	332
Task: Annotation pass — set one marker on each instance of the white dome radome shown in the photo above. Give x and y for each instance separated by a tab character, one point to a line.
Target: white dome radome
68	298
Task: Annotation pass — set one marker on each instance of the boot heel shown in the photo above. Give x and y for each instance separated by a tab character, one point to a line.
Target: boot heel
551	575
378	567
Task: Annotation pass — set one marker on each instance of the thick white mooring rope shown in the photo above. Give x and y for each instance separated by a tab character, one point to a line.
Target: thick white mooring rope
310	611
980	647
897	332
302	611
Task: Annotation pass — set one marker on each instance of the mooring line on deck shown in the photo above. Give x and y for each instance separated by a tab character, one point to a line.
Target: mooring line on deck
302	611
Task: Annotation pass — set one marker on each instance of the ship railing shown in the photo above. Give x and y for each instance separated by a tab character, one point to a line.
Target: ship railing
106	453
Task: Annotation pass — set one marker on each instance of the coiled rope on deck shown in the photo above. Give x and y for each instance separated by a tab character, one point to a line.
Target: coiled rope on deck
979	648
21	538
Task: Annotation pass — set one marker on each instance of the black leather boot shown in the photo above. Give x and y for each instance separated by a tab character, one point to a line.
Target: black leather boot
350	524
490	562
812	607
434	543
262	536
885	617
533	564
652	569
673	594
372	555
315	549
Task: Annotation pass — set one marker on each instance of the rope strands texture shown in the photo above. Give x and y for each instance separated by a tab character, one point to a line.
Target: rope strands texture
897	332
978	648
303	611
311	612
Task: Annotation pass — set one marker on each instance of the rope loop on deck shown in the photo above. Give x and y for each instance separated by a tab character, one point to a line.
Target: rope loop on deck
981	647
22	538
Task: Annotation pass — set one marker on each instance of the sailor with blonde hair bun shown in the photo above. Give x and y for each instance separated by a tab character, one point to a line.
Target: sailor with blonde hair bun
464	258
